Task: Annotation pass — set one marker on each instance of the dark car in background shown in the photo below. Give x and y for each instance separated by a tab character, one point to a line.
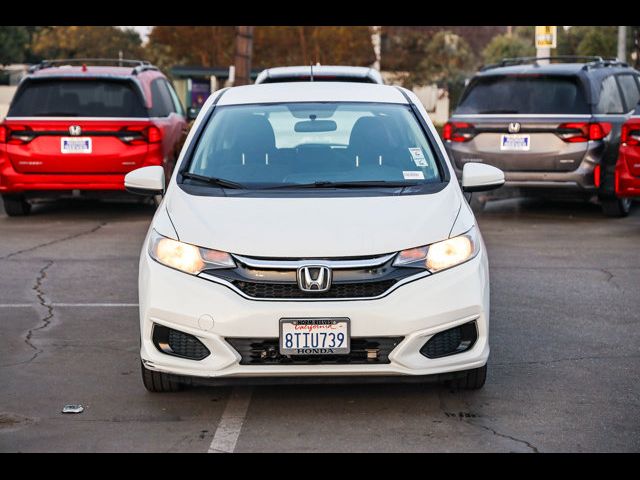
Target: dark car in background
554	129
79	129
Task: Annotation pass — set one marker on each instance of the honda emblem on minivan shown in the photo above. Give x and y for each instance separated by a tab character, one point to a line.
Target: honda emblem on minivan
314	278
514	127
75	130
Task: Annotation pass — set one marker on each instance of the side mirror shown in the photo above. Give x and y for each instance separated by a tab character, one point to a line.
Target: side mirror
145	181
478	177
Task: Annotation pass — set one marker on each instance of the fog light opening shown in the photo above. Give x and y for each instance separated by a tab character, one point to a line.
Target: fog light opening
452	341
178	344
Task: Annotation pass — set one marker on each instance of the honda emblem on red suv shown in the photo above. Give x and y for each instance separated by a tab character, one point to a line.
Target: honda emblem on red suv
75	130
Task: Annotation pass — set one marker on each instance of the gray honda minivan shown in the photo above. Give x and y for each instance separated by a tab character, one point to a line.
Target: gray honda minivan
554	129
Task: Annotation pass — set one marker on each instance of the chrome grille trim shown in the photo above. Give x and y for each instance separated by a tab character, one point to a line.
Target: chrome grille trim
281	264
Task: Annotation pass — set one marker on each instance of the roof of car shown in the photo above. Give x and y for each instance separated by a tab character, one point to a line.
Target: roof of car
78	71
312	92
553	69
321	70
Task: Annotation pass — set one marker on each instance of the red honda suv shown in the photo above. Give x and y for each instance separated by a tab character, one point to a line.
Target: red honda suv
627	178
79	129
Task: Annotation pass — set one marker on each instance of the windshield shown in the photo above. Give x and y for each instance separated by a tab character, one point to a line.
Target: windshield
78	98
302	143
525	94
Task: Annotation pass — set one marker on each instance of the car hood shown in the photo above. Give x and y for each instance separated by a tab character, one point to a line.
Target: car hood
315	227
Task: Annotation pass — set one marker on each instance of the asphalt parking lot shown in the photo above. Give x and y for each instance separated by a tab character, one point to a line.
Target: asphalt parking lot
563	372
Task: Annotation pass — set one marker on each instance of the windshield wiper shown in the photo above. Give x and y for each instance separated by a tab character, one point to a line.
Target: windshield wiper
351	184
220	182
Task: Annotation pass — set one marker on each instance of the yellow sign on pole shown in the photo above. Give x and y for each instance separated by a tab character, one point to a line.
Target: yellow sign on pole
546	37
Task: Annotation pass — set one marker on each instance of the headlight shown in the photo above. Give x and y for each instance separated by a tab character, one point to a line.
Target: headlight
186	257
441	255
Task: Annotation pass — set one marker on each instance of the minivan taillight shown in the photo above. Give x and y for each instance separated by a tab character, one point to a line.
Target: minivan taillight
575	132
631	135
135	135
16	134
458	131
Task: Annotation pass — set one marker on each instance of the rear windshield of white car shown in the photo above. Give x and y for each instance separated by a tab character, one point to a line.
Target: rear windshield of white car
301	143
524	94
77	98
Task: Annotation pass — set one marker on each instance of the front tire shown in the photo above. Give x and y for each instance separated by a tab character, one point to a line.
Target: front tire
16	205
159	382
616	207
471	379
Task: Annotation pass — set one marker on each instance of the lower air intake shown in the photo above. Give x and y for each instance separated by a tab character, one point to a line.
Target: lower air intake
450	342
179	344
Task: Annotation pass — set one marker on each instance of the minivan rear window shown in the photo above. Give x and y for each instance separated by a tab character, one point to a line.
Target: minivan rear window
77	98
524	94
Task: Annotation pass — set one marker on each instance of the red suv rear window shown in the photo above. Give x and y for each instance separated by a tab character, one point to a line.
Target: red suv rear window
77	98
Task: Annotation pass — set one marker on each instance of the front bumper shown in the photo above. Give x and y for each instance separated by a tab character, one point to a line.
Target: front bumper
415	311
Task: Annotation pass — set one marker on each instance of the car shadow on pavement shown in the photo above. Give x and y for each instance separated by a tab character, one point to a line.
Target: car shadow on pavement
90	209
548	208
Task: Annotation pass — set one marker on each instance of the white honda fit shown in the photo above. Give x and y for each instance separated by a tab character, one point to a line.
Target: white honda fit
313	231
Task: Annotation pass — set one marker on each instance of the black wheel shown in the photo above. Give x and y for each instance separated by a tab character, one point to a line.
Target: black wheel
158	382
16	205
616	207
471	379
477	203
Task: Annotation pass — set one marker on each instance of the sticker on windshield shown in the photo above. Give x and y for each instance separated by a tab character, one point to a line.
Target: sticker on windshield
413	175
418	156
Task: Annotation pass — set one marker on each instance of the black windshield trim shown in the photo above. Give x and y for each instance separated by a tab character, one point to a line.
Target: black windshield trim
426	187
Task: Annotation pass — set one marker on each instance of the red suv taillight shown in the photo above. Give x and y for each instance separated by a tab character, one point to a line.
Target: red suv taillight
16	134
140	135
458	131
631	135
583	131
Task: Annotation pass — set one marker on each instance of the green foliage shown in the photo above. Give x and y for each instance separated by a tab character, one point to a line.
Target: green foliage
505	46
602	41
13	44
444	59
86	41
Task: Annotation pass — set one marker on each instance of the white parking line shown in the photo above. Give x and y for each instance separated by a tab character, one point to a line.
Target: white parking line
71	305
235	412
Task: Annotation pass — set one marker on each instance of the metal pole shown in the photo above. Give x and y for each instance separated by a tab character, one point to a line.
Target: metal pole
622	44
244	51
376	41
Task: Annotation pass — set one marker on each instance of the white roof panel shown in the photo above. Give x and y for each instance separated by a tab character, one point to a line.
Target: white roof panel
312	92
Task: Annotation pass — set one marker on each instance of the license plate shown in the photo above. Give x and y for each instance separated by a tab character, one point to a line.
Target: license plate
314	336
515	142
75	145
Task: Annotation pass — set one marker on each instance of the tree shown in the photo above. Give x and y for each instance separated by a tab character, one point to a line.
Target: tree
507	46
303	45
209	46
86	41
13	44
601	41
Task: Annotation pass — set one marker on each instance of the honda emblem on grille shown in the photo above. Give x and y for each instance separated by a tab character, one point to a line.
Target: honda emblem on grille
314	278
75	130
514	127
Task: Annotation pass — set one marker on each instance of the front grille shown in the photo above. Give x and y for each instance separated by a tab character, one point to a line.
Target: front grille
179	344
455	340
291	290
265	351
